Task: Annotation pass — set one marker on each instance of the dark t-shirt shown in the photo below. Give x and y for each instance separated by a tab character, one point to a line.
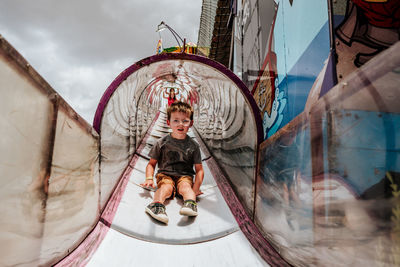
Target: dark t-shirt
176	157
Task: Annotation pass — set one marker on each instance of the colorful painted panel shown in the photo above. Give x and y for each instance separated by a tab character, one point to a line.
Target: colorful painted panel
280	48
362	29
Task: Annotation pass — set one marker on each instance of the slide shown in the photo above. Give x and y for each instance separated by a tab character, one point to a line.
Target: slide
127	236
70	190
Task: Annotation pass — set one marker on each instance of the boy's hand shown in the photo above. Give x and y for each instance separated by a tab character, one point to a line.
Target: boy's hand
148	183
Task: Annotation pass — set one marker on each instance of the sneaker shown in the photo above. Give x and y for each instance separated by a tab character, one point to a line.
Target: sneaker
189	208
157	211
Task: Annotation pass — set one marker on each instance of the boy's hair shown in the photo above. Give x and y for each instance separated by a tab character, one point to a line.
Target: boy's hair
180	107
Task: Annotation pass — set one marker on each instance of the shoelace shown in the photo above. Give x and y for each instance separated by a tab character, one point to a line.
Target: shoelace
159	208
191	204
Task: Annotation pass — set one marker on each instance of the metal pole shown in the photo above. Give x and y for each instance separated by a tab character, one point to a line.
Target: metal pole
174	33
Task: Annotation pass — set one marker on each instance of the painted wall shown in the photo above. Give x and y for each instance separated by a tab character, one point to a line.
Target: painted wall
363	29
280	48
326	86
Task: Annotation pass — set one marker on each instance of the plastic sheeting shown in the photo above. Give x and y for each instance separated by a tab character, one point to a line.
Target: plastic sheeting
48	168
328	190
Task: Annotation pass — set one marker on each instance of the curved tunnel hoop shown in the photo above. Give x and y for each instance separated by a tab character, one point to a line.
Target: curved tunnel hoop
179	56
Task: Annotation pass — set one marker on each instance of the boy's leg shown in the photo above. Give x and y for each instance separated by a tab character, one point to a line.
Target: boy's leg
163	192
156	209
186	191
189	206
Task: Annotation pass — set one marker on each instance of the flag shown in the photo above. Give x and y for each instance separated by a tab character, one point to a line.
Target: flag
159	47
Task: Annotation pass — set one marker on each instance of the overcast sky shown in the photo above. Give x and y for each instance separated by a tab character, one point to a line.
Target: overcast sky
80	46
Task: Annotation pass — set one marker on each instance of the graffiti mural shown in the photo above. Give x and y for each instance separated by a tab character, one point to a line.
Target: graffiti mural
366	28
272	120
327	186
264	87
292	43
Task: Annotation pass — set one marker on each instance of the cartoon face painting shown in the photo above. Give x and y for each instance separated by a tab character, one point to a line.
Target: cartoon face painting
272	122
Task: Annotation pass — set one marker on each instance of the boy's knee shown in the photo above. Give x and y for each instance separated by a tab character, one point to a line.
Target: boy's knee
184	186
167	188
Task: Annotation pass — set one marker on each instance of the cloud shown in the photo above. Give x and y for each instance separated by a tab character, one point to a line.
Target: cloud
79	47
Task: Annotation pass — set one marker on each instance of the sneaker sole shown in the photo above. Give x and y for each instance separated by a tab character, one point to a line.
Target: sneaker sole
155	216
187	212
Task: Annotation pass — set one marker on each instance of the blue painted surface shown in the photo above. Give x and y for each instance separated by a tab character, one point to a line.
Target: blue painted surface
330	78
300	79
365	145
295	29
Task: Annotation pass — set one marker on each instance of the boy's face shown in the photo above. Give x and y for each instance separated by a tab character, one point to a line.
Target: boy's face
180	123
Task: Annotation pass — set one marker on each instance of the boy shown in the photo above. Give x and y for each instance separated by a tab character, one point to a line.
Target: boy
175	154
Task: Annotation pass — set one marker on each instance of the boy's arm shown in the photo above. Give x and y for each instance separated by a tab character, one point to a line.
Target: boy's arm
149	174
198	180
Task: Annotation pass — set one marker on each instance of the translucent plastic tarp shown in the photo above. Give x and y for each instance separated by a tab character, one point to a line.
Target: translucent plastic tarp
328	190
48	168
25	129
72	206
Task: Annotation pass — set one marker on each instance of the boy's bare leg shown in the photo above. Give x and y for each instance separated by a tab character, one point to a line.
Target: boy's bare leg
162	193
156	209
186	191
189	196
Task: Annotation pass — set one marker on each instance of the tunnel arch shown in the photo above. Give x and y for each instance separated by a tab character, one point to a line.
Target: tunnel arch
226	117
178	56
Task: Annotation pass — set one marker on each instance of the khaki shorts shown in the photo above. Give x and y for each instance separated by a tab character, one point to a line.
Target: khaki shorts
173	180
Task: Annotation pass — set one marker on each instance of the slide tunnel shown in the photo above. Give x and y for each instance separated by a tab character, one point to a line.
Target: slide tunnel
131	116
77	199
